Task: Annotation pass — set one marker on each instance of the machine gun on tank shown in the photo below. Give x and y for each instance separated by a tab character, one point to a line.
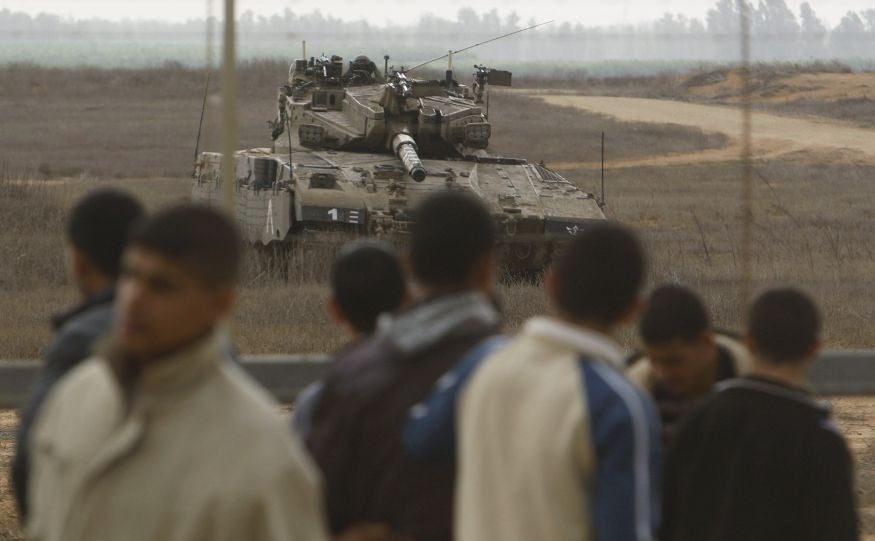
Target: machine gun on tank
401	84
484	76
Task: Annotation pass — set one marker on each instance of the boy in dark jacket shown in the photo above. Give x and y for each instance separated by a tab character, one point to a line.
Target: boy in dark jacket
761	459
97	232
366	281
355	435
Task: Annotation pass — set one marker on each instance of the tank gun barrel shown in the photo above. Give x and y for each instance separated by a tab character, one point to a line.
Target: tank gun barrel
405	148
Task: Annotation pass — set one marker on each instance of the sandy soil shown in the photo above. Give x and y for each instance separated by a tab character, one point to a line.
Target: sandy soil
825	87
771	133
8	515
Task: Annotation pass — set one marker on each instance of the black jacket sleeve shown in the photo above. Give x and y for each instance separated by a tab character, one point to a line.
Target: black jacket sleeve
64	353
329	440
832	509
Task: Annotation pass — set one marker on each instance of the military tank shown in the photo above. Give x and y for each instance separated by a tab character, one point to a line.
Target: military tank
353	151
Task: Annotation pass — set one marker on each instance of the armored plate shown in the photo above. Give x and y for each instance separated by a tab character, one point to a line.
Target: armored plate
536	210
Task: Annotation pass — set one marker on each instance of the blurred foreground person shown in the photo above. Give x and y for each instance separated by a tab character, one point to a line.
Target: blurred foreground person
161	436
761	459
554	443
683	356
356	432
366	281
97	232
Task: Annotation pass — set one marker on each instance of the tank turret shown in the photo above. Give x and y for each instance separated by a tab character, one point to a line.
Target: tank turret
411	118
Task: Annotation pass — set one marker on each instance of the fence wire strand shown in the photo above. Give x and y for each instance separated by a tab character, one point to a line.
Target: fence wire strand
747	171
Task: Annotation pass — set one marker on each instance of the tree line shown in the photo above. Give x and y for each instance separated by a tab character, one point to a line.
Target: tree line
778	33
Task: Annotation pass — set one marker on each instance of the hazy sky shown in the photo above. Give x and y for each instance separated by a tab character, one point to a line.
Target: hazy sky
589	12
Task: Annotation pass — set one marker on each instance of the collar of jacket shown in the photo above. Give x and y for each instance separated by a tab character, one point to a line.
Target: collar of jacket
775	388
106	296
428	323
171	374
577	338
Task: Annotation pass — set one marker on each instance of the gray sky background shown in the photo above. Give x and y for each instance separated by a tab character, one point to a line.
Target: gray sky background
588	12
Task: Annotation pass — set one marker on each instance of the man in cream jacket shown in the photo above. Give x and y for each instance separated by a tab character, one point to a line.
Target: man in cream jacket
554	443
161	436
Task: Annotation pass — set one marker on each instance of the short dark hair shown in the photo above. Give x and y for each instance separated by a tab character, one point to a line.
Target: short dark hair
202	239
673	312
451	233
600	274
783	324
366	281
99	226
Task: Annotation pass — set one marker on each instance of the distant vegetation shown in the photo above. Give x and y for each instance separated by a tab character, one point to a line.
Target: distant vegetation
672	43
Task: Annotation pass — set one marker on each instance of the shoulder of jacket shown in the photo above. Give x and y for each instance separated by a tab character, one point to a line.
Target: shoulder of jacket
91	323
87	392
242	395
92	376
640	373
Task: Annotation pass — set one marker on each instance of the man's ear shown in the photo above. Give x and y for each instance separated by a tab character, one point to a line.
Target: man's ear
77	262
707	337
551	285
483	273
225	299
334	311
814	350
632	312
749	343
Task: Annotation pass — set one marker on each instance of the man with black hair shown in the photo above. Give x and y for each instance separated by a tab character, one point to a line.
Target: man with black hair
97	231
366	281
684	357
761	459
355	435
554	443
160	435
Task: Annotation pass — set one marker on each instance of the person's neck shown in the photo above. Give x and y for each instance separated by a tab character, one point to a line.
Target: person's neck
422	292
711	370
587	324
90	286
794	375
154	357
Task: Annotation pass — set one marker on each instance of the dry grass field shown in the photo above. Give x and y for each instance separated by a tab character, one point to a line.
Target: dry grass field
67	131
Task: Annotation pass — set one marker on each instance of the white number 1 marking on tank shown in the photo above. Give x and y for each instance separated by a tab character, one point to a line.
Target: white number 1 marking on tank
333	214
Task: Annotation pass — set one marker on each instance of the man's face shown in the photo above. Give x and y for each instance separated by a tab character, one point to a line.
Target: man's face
685	367
162	306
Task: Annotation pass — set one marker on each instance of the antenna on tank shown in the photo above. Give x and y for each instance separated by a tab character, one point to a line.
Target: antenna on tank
601	200
449	74
451	53
200	125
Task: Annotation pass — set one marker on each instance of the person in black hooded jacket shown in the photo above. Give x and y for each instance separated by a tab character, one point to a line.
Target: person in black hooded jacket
761	460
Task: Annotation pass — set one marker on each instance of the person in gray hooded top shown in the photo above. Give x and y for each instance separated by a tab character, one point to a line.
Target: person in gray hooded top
355	434
97	232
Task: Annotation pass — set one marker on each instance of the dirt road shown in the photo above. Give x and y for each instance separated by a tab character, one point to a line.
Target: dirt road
772	134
